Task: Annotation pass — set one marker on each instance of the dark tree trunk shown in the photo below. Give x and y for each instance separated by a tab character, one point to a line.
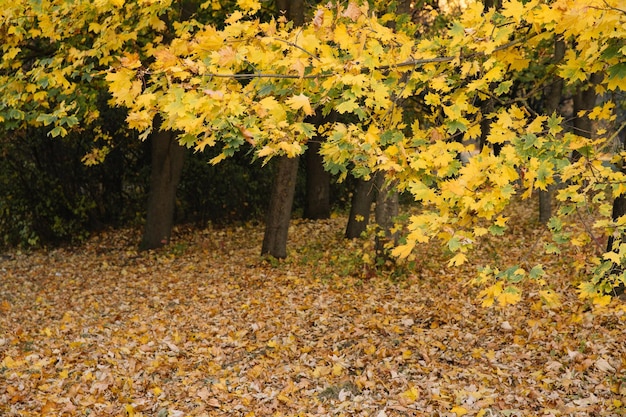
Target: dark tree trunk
293	10
585	100
486	108
279	211
167	160
284	186
619	210
387	206
362	199
554	94
317	204
545	204
488	4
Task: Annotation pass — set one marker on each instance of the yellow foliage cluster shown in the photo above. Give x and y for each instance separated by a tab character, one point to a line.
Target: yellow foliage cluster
256	82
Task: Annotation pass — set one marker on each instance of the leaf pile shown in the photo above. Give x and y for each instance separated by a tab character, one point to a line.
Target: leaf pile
207	328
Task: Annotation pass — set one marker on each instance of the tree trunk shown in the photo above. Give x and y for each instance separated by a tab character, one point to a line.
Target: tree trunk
619	210
585	100
387	205
554	94
488	4
362	199
167	160
279	211
293	10
284	186
317	204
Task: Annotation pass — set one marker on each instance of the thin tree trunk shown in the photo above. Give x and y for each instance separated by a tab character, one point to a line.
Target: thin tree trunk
387	205
317	204
167	160
361	204
279	211
554	94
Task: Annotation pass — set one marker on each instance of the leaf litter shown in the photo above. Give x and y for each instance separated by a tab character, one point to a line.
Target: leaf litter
208	328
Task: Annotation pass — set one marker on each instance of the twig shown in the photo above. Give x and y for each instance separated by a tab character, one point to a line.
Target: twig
297	47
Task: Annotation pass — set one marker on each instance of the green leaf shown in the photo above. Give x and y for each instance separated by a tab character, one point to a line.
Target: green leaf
617	76
57	131
555	224
503	88
46	119
497	230
456	126
454	244
552	249
536	272
347	107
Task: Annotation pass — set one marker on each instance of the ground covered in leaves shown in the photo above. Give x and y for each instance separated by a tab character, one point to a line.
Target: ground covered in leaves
208	328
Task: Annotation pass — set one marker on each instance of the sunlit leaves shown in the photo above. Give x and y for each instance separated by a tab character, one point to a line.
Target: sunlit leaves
301	101
252	84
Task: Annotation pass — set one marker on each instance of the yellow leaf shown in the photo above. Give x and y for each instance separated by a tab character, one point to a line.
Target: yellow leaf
587	290
550	298
403	251
480	231
342	37
321	371
129	410
249	6
509	297
459	411
283	399
501	221
613	257
123	86
265	151
301	102
219	158
337	369
370	350
457	260
491	293
291	149
139	120
8	362
601	300
412	394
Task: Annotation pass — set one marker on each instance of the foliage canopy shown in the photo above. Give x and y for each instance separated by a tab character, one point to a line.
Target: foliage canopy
252	82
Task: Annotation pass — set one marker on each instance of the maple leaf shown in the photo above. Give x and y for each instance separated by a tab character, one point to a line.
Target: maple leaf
301	102
352	11
249	6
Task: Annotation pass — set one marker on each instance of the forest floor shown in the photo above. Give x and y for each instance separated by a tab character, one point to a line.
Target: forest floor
206	327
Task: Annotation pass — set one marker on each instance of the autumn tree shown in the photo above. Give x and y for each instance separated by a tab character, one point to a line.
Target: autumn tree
284	186
347	59
52	76
55	57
